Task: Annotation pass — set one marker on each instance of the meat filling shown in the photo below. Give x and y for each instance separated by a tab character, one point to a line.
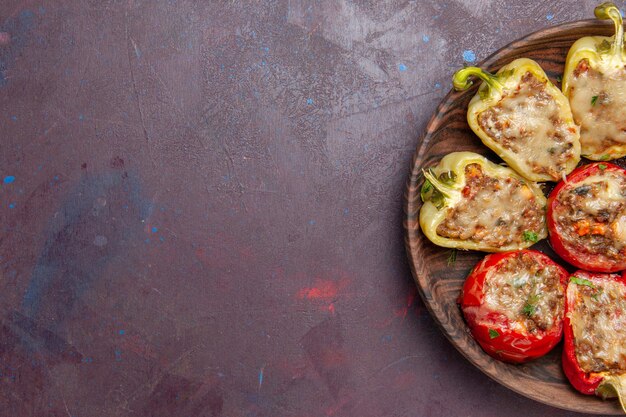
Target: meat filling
495	211
599	325
599	106
527	121
591	215
527	292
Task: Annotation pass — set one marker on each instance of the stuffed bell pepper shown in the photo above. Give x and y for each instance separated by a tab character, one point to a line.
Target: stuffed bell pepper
472	203
587	218
595	83
513	303
524	118
594	352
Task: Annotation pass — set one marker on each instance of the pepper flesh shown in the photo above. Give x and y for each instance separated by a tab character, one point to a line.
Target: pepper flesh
501	332
448	190
607	383
524	118
594	81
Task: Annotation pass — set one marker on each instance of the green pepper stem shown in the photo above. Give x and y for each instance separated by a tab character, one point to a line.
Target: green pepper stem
461	79
440	186
611	387
610	11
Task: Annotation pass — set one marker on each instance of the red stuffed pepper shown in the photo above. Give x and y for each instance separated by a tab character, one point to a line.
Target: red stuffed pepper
513	303
594	353
587	218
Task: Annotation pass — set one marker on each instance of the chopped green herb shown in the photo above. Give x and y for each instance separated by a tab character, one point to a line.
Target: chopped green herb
452	257
530	236
493	334
559	78
529	309
594	99
596	294
605	157
581	281
531	305
602	167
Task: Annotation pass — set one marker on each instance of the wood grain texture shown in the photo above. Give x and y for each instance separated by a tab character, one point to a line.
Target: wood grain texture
439	283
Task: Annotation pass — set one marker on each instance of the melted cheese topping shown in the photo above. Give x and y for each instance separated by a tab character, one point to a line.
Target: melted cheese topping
598	319
527	292
591	215
494	210
528	123
598	102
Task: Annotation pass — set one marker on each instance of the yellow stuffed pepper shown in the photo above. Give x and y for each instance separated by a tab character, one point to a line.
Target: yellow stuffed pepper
524	118
594	80
472	203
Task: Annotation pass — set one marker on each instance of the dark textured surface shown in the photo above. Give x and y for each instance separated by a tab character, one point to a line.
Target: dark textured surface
201	206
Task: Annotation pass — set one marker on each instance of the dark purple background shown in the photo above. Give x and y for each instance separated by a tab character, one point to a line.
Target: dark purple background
201	206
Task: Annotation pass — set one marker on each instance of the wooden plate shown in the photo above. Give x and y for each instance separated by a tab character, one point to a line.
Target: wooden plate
438	281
